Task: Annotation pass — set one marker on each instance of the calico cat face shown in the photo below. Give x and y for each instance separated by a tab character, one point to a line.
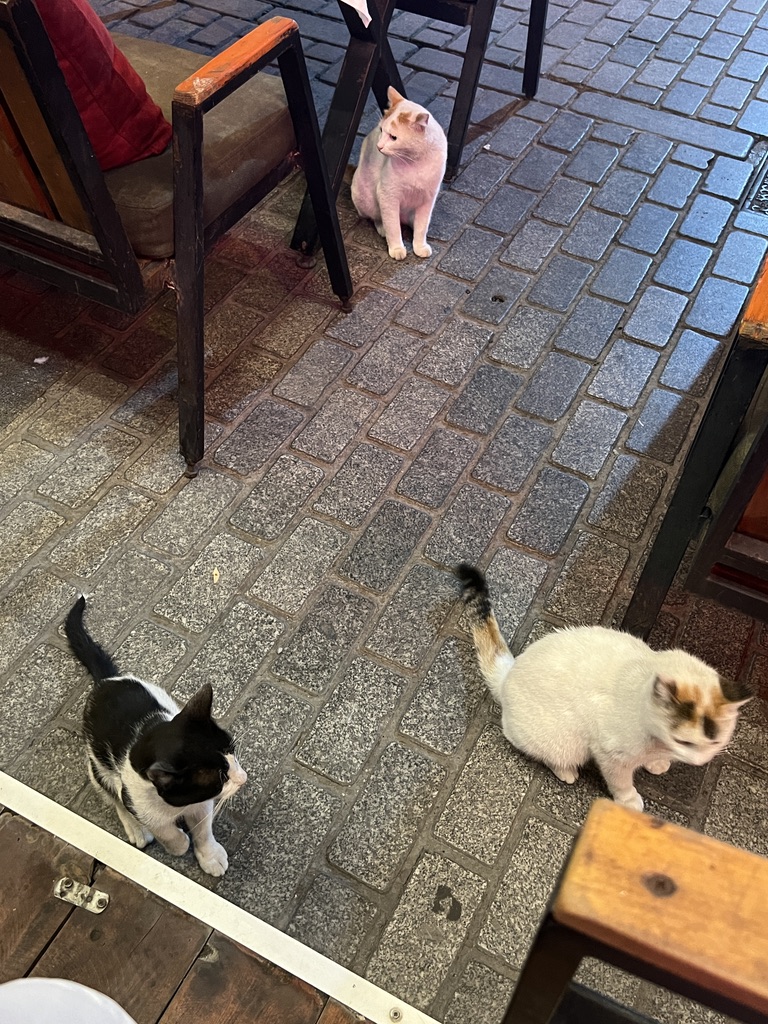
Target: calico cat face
699	717
402	127
190	758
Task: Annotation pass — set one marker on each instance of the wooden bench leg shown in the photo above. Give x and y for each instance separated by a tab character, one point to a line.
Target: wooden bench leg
551	964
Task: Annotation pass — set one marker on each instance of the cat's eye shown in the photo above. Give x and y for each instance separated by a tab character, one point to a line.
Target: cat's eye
686	743
393	137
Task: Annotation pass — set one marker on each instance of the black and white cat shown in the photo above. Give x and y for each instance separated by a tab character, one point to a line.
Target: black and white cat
591	692
157	763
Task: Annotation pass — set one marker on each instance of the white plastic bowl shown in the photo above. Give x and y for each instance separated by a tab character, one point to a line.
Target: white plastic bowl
54	1001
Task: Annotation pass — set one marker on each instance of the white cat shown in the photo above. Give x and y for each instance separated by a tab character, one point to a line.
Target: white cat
401	166
591	692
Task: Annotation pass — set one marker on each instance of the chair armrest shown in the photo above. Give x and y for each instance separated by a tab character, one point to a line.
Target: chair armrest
236	64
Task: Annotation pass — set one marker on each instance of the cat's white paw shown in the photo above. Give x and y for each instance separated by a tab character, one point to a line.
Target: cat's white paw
569	775
422	250
397	252
139	837
178	844
657	767
213	859
633	800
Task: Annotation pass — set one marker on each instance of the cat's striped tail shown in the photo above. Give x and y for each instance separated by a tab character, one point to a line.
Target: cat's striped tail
85	648
493	655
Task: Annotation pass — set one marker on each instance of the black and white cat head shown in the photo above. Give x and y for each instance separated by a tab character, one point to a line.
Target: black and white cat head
188	759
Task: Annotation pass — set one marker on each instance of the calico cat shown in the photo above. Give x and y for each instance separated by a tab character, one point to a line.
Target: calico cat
397	179
156	763
590	692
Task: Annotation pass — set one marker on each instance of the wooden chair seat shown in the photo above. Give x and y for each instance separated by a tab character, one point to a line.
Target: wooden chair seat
663	902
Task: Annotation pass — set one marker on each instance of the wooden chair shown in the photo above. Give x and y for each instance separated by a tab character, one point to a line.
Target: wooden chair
119	237
660	901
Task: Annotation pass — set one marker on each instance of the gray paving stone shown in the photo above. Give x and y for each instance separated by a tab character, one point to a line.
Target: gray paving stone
280	847
562	202
693	156
621	275
370	311
333	919
514	580
230	656
437	467
409	415
514	136
747	743
454	351
20	462
553	386
152	652
481	175
481	996
584	587
611	77
427	929
719	44
644	94
751	66
592	235
191	513
347	728
495	295
674	186
738	812
299	565
592	162
632	52
385	361
78	477
672	126
626	501
525	336
741	257
334	426
134	576
451	214
706	219
277	497
589	438
443	706
717	306
296	321
566	131
310	658
656	316
54	766
549	511
684	97
519	903
560	283
64	420
101	531
683	265
471	254
254	441
646	154
361	479
660	73
385	546
202	592
729	178
431	304
386	816
466	527
620	192
23	532
511	455
692	363
649	228
589	327
506	209
485	397
306	380
471	821
623	374
36	599
32	696
531	245
662	426
720	115
414	616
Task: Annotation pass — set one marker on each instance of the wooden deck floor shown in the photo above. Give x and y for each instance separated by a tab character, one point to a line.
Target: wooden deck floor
160	964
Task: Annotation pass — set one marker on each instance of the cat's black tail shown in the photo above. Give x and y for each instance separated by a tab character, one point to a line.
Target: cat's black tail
493	655
474	590
85	648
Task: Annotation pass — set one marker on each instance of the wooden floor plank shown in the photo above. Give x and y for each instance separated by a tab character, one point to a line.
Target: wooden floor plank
137	951
31	861
237	987
335	1013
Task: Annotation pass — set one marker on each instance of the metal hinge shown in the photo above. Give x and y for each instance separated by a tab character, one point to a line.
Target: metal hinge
80	895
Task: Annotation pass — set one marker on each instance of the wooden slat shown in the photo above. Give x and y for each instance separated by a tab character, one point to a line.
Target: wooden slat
678	900
235	59
754	324
31	124
18	182
335	1013
137	951
31	861
236	986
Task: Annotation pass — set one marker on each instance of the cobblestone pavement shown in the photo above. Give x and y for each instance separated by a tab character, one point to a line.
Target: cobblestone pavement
523	399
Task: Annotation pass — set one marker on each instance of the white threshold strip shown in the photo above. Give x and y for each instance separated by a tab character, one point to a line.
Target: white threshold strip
182	892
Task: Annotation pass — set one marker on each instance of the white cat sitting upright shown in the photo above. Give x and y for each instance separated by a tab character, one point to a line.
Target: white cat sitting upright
591	692
397	179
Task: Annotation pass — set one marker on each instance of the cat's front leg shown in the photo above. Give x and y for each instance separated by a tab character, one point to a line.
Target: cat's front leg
618	777
657	767
137	835
173	839
393	232
421	219
211	855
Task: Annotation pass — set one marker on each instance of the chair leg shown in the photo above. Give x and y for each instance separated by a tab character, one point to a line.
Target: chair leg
743	370
482	19
537	22
189	280
551	963
297	89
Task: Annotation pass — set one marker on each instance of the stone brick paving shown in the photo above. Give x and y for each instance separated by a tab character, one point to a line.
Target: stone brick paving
523	399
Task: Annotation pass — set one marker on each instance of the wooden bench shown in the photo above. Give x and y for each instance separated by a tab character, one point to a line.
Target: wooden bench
667	904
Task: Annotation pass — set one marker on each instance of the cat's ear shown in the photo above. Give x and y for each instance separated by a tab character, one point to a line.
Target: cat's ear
199	705
421	121
161	774
394	96
665	691
736	691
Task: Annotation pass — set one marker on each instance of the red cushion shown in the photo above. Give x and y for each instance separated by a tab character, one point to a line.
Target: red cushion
121	119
